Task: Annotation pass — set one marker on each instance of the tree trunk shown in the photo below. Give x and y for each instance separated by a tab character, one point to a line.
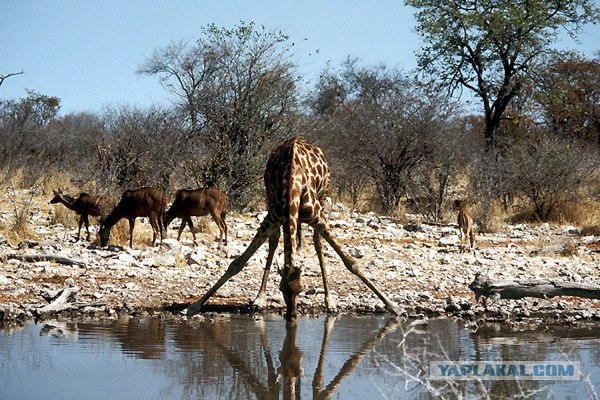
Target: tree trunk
63	302
508	289
45	257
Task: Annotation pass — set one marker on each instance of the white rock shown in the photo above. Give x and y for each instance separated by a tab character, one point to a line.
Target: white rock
162	260
127	258
451	240
171	243
357	252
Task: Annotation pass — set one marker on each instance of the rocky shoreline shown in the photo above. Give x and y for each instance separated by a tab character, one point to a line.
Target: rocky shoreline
419	266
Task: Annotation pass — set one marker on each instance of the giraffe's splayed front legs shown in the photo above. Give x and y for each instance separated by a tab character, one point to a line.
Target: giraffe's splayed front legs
267	228
350	263
261	297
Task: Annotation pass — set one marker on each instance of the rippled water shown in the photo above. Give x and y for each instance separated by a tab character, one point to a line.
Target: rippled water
245	357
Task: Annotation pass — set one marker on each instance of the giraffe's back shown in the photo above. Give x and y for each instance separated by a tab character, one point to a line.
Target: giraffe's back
299	168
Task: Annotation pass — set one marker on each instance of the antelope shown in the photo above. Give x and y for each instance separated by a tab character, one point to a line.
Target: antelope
198	203
144	202
465	225
85	205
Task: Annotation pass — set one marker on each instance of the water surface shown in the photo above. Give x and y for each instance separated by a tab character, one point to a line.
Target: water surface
250	357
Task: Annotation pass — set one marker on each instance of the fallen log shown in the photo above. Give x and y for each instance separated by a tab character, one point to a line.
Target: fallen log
510	289
45	257
64	301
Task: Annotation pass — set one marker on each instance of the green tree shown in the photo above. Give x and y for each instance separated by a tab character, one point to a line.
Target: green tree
490	46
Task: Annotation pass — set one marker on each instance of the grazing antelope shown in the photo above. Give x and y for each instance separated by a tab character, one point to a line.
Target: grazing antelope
85	205
465	225
198	203
144	202
296	181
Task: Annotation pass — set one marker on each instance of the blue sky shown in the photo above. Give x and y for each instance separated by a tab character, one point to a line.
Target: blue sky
86	52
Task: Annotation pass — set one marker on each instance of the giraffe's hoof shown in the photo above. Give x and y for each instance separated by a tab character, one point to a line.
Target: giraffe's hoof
331	305
291	316
394	309
259	303
193	309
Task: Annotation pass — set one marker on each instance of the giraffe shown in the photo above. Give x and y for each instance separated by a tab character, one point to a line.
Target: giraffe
296	181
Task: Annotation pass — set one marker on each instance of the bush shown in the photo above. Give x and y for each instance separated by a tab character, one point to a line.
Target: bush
549	171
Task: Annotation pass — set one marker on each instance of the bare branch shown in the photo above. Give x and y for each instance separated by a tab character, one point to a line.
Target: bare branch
3	77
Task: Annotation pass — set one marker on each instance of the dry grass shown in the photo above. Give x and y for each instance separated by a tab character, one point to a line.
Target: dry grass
584	213
489	218
59	214
142	233
55	182
22	197
19	204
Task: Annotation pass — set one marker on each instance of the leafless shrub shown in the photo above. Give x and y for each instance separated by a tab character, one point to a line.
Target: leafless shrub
376	123
549	171
138	147
22	203
237	90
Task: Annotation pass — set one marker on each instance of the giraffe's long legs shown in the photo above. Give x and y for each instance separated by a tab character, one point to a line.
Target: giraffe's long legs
330	303
267	228
322	228
261	297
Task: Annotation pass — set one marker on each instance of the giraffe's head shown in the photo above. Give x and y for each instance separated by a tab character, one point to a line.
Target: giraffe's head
291	287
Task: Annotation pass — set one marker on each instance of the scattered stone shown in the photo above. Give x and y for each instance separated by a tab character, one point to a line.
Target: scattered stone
413	228
418	265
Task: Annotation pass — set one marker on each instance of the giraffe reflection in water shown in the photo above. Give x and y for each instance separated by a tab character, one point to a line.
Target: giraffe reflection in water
242	357
236	358
285	381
